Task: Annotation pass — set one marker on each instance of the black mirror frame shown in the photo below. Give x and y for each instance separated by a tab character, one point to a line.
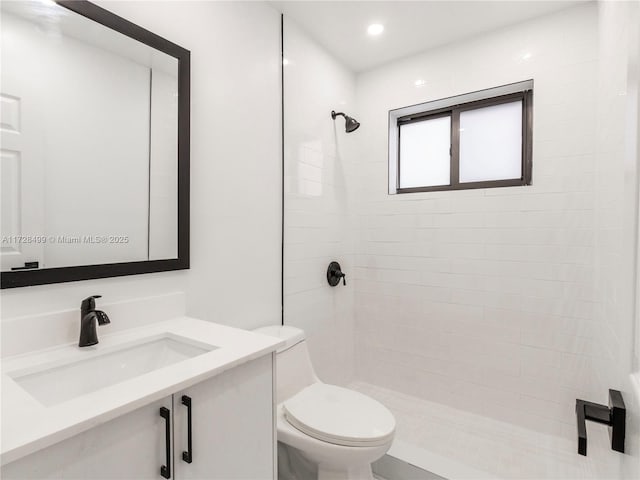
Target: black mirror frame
24	278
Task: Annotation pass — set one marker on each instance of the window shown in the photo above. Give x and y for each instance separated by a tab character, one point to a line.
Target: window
477	140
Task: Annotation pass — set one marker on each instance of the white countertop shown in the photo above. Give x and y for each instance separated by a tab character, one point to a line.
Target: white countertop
28	426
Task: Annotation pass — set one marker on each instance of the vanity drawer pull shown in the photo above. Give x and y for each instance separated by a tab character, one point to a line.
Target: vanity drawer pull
165	470
188	455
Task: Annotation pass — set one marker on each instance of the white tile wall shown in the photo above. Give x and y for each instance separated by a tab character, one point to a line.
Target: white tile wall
318	155
484	299
616	214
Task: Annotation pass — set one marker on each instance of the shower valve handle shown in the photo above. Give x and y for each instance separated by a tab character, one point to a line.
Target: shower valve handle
334	274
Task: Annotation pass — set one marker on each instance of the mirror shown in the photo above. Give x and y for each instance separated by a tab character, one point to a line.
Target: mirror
94	146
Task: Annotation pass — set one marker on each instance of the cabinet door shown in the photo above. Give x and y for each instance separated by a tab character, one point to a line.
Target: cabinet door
232	425
129	447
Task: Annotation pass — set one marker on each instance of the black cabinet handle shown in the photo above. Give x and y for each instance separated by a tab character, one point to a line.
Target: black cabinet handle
188	455
165	470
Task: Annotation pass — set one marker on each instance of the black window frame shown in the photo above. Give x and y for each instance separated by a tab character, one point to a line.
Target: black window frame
525	96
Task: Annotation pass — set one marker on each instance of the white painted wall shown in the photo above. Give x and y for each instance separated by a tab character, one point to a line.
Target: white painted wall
483	299
235	170
318	186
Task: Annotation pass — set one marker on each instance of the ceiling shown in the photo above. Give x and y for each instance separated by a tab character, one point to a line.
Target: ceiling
410	26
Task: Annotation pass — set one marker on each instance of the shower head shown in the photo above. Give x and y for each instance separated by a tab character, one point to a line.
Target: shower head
350	124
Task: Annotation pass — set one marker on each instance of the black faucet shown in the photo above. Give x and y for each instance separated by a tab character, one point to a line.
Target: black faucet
88	317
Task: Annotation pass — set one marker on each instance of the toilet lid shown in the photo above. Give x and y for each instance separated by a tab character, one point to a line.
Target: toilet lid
340	416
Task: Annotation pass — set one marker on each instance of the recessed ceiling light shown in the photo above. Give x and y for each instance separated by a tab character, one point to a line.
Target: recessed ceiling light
420	83
285	61
526	56
375	29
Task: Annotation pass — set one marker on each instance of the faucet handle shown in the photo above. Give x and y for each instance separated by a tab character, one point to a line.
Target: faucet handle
335	273
89	303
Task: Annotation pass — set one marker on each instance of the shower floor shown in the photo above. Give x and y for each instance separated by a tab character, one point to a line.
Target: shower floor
456	444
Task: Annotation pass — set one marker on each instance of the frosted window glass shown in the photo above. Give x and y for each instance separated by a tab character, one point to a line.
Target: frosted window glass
491	143
424	153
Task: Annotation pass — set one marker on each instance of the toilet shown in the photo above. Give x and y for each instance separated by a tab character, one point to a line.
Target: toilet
324	431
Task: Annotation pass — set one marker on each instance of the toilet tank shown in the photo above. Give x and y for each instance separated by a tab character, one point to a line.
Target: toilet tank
293	364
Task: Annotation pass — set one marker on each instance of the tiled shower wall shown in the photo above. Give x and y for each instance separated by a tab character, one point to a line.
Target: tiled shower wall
317	215
616	214
484	299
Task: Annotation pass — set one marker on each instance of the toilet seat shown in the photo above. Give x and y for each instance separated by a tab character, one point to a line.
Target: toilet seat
340	416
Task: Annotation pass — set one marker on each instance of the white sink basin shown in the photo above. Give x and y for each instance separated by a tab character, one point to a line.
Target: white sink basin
91	370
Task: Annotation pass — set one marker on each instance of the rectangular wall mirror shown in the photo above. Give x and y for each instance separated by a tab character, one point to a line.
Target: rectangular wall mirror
94	144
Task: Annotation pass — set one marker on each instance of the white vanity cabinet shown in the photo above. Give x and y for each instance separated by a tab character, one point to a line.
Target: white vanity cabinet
232	433
232	426
128	447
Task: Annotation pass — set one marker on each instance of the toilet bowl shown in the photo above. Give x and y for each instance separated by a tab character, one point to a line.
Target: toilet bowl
337	432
